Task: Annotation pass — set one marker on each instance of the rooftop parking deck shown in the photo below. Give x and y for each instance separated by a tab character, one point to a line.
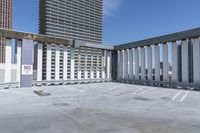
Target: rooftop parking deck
99	108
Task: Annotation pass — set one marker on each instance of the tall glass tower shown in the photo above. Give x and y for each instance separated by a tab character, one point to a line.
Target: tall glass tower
6	8
76	19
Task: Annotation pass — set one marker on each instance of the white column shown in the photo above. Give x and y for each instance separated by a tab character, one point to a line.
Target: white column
150	70
174	62
108	66
185	71
126	64
72	51
196	60
165	63
130	62
57	65
19	49
65	58
157	63
142	54
137	64
48	63
104	65
39	61
8	60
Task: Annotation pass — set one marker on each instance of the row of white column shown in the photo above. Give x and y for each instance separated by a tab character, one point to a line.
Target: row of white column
132	62
106	64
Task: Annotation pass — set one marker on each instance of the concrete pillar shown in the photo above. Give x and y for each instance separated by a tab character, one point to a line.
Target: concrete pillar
8	58
65	59
174	62
165	63
184	54
130	62
137	64
27	63
108	66
157	63
57	69
48	63
39	61
142	55
196	59
19	48
150	70
72	54
126	65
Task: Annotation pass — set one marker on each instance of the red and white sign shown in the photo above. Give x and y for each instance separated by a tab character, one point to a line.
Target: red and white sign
27	69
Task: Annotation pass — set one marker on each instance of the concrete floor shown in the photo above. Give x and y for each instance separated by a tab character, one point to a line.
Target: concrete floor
100	108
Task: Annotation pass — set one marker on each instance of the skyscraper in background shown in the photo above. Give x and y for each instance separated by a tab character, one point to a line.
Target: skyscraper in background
77	19
6	13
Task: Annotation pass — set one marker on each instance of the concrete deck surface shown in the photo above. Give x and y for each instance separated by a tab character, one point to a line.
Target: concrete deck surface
100	108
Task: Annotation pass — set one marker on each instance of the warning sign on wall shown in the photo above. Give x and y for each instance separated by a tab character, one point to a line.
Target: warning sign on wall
27	69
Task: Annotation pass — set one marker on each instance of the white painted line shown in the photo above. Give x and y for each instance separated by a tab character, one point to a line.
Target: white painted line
184	96
176	95
139	90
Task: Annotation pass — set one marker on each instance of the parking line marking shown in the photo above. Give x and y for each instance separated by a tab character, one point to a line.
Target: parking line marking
184	96
176	95
140	90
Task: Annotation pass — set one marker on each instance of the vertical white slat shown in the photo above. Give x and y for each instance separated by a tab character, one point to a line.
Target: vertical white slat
108	66
104	65
174	62
142	54
157	63
72	71
19	50
130	62
137	64
8	60
65	58
126	64
57	61
150	70
196	59
39	61
118	65
48	63
185	66
165	63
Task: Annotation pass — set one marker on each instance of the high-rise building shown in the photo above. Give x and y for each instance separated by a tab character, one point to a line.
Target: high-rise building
6	7
77	19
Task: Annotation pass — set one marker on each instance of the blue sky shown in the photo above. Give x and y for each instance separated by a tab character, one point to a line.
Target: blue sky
126	20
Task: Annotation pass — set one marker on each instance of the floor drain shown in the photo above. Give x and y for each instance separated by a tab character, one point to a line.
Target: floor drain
41	93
